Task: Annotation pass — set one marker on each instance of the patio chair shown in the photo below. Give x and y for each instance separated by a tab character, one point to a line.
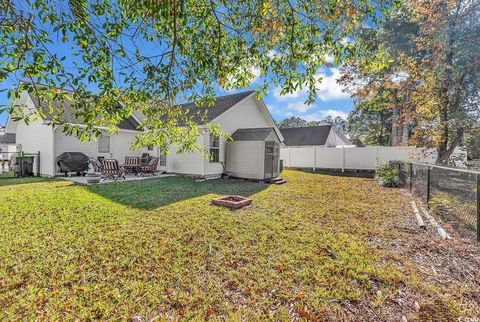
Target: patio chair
150	168
111	169
131	164
144	158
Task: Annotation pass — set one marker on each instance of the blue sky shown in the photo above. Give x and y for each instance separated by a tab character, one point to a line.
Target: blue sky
331	99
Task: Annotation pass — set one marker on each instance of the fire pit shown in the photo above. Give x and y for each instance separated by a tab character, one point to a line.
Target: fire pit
232	201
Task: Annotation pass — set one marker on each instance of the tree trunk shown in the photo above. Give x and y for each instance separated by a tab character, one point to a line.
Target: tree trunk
396	112
406	119
445	155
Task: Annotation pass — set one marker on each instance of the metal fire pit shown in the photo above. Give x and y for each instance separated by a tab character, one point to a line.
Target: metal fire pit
232	201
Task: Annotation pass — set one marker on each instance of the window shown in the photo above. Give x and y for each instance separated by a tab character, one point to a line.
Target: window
150	148
104	143
162	160
214	149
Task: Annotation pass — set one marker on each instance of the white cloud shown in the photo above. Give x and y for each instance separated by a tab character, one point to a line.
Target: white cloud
288	96
299	106
327	87
232	79
322	114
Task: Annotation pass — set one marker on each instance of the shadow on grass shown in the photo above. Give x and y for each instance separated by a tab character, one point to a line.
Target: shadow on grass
151	194
8	179
338	173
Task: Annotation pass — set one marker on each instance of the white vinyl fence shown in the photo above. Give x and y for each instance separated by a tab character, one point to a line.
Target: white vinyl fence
353	158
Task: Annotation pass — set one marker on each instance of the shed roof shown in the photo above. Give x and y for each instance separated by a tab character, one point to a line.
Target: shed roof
68	115
203	114
253	134
7	138
309	135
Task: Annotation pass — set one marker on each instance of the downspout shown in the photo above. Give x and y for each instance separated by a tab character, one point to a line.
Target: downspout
54	158
204	150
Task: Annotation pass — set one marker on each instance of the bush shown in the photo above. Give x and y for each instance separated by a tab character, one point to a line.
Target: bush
391	174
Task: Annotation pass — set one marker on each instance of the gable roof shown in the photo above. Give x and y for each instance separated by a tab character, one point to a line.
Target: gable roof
68	115
342	136
7	138
253	134
204	114
310	135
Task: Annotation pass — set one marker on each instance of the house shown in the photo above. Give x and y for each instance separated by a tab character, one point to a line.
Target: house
7	148
233	112
39	136
230	112
325	135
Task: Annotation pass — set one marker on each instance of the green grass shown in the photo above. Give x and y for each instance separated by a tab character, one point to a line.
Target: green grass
159	249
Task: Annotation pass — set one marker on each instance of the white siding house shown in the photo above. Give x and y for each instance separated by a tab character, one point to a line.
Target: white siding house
230	112
7	149
39	136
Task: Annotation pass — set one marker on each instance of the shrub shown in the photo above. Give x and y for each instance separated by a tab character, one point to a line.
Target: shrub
391	174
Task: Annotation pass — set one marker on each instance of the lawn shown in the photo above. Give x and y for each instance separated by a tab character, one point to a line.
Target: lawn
319	247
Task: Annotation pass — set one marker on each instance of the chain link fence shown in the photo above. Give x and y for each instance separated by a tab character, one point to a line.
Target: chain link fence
452	194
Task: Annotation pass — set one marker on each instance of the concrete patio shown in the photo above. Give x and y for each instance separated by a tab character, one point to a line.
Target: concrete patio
128	177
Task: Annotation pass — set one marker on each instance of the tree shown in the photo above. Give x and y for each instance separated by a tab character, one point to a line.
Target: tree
293	121
296	121
435	46
337	121
387	86
370	122
110	58
448	35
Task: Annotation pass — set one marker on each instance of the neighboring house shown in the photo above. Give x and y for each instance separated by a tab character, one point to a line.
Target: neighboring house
7	149
321	136
231	113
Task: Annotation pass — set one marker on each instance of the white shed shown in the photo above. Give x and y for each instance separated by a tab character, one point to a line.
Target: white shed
253	154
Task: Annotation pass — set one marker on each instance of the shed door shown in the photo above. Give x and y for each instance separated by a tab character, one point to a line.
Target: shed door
272	154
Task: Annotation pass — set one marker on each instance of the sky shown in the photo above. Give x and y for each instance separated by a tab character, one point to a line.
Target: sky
331	100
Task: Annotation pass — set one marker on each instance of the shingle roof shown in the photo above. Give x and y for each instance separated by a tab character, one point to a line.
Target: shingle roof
203	114
7	138
310	135
68	115
343	137
255	134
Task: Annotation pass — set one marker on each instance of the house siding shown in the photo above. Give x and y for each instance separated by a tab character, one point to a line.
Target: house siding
120	146
191	163
37	137
246	114
246	159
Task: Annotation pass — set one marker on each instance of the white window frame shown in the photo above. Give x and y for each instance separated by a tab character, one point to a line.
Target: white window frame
102	148
214	147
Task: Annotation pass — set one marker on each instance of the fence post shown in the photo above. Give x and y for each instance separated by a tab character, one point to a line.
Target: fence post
478	208
38	164
20	165
428	187
411	176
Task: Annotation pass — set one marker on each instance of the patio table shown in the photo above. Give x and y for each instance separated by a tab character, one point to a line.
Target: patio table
134	167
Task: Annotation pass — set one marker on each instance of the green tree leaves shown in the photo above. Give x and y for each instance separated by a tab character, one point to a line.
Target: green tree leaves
148	55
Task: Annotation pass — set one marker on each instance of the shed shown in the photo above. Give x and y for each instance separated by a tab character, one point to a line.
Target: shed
253	154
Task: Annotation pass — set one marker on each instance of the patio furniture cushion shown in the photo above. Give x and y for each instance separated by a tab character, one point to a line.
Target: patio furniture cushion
151	166
112	170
